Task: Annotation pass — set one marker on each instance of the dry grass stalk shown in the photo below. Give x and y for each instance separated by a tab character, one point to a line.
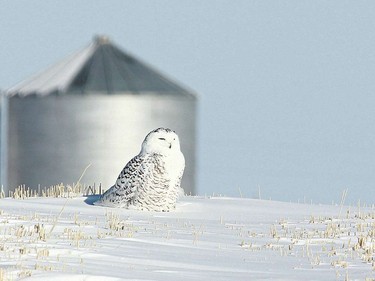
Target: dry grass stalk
2	275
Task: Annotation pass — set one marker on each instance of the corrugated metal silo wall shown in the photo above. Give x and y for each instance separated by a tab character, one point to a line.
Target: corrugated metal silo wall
52	139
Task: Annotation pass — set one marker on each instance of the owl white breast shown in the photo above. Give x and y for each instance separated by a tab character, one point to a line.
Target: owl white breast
151	180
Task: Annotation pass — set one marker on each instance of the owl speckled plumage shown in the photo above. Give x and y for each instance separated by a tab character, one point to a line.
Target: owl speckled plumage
151	180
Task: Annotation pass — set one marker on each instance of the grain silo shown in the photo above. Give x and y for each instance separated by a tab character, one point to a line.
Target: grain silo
93	107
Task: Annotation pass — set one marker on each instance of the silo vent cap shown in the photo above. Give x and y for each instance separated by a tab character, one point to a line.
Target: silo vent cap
101	39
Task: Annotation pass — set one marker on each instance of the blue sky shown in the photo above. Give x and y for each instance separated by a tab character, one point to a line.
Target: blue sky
287	92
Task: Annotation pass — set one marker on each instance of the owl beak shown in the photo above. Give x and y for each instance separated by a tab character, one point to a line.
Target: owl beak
170	146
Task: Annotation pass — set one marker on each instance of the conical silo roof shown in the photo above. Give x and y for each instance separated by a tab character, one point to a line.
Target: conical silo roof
101	67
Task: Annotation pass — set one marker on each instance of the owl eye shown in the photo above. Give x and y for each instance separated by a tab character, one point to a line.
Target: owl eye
161	138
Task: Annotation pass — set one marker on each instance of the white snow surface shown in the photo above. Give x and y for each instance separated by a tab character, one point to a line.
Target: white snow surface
213	238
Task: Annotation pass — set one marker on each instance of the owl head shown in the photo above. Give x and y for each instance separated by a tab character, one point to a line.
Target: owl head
161	141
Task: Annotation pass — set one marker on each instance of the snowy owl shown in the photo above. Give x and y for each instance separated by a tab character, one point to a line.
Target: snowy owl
151	180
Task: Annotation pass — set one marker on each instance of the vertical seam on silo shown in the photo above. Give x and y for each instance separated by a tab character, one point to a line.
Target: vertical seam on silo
4	143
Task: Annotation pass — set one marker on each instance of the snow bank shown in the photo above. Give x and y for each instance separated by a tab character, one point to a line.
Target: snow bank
204	239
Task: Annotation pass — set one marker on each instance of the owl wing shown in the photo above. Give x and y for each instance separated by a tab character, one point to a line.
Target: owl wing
180	190
124	190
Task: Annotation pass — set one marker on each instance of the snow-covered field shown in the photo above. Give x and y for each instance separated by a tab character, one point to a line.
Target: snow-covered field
214	238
